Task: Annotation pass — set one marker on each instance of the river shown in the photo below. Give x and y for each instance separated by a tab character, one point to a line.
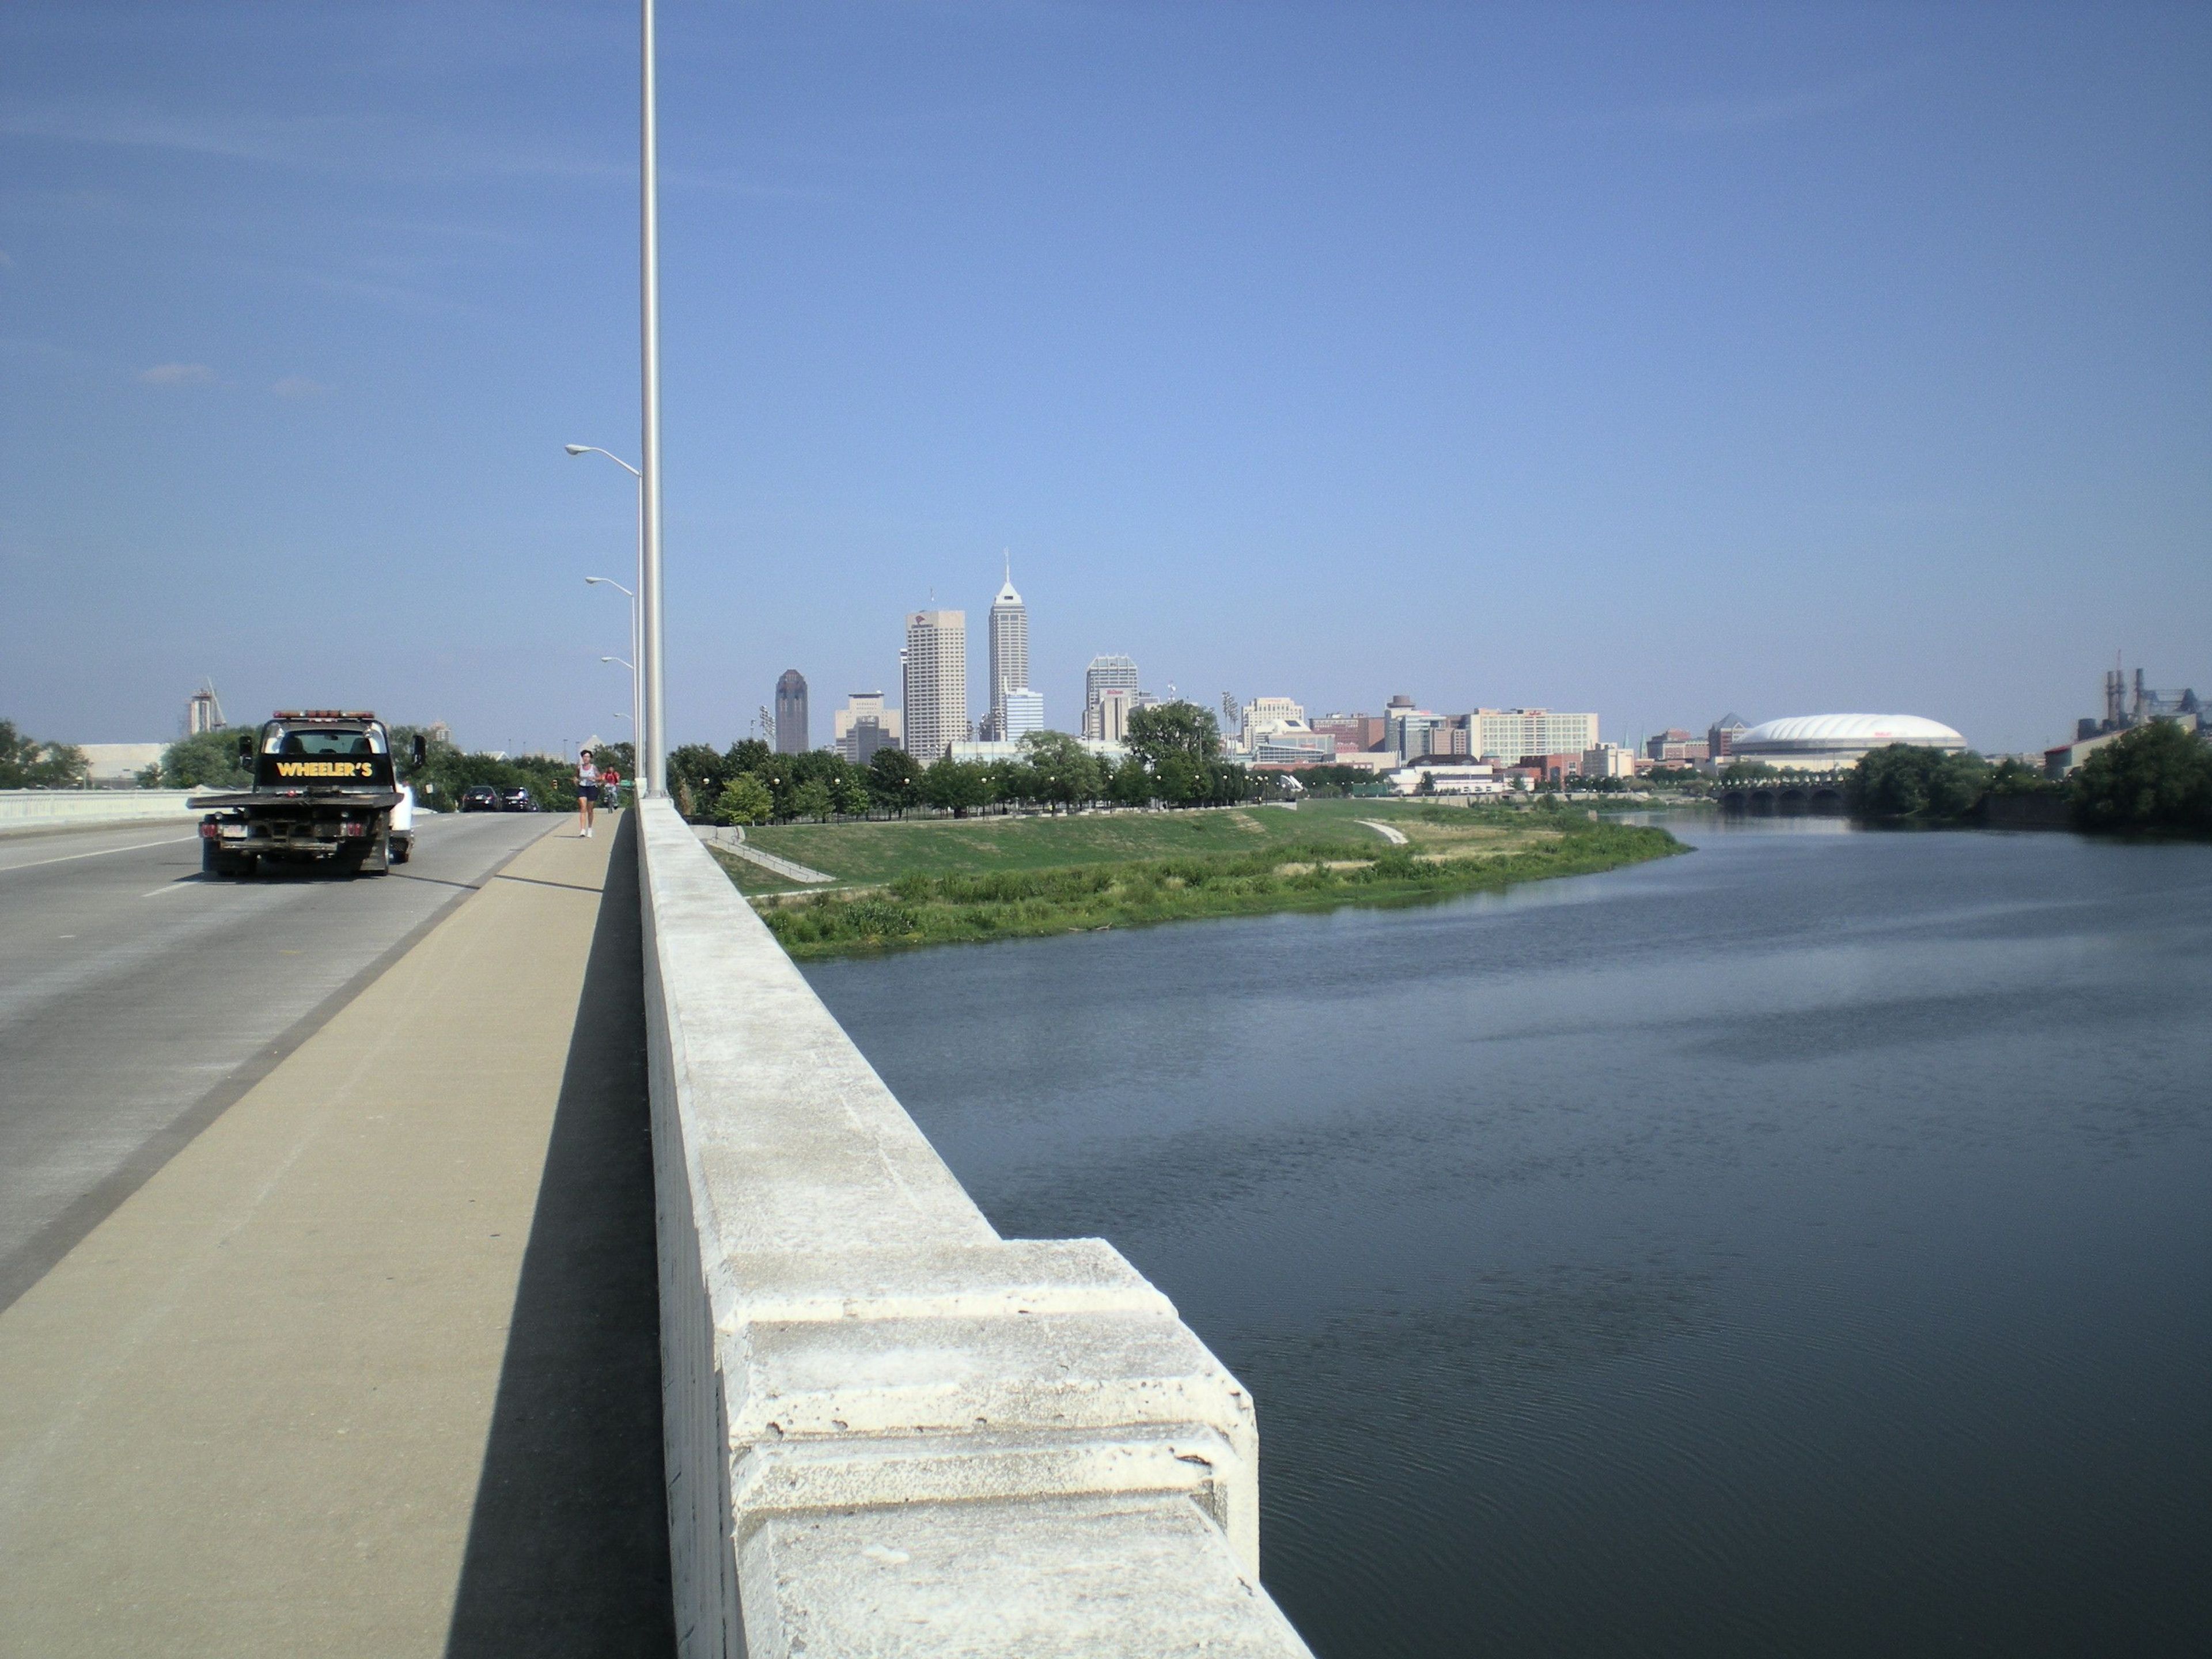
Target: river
1802	1246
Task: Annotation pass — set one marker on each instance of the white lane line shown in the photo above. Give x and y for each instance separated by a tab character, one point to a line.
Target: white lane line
71	857
181	882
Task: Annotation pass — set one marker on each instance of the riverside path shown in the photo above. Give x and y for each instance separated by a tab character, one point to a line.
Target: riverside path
326	1208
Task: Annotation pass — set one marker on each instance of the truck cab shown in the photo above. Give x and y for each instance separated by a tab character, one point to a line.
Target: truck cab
325	794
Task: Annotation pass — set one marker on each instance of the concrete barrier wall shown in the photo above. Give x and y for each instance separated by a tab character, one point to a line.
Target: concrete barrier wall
60	809
889	1430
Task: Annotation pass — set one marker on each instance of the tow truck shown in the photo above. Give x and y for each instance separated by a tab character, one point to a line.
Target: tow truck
324	793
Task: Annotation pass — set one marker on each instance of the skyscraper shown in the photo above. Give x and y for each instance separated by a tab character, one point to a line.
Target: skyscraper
935	669
1109	673
791	733
1024	714
1010	654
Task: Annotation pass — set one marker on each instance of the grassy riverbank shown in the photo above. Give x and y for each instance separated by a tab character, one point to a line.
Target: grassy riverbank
942	882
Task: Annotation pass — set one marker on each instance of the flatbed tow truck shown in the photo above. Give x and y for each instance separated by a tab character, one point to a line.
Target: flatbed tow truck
324	793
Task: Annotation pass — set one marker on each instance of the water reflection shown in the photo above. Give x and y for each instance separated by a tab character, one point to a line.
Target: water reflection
1799	1246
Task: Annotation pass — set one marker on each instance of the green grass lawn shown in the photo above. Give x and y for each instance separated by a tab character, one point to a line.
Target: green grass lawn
952	881
866	854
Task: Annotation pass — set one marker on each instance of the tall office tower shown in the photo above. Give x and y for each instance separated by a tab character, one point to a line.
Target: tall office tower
1109	673
935	669
1023	713
1010	655
791	734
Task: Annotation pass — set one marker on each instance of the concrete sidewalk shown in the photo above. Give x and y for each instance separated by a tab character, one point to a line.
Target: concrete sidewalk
371	1366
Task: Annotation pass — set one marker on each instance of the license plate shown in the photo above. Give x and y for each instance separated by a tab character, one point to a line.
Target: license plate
233	831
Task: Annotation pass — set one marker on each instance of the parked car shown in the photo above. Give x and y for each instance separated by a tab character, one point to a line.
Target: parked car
480	798
517	799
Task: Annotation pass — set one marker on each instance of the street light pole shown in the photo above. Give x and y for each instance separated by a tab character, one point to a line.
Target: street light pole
636	731
652	764
639	722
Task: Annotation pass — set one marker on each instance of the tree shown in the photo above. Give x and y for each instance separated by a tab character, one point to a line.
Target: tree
1132	783
958	787
700	772
894	780
1179	778
207	760
810	799
2013	776
1162	729
2156	777
851	794
27	763
1907	782
745	800
1064	772
746	755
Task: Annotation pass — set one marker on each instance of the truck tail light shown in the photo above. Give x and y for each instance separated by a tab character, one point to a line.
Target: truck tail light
352	828
208	831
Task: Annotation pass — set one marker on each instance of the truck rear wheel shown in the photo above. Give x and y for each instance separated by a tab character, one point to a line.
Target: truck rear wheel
214	862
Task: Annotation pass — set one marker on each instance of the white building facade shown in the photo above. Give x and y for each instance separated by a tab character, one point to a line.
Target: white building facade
1264	714
1507	734
934	667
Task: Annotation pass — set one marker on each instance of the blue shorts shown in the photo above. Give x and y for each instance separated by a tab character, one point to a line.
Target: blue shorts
588	792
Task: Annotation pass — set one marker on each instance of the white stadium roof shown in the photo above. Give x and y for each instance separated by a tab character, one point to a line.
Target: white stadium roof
1851	728
1844	733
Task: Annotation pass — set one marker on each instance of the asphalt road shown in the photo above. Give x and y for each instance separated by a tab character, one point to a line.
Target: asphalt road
138	999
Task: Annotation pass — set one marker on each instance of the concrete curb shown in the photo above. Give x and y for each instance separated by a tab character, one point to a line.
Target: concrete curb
888	1430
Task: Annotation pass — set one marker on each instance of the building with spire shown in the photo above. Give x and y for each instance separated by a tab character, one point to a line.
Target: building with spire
1010	656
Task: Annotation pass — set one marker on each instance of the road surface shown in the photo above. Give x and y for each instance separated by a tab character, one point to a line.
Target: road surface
138	1000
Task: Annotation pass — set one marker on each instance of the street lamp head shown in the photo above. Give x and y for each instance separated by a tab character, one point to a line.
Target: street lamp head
577	449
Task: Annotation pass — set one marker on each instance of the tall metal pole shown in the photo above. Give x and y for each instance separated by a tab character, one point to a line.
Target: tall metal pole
637	773
653	750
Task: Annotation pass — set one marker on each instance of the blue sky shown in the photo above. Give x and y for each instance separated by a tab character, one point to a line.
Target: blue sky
1658	359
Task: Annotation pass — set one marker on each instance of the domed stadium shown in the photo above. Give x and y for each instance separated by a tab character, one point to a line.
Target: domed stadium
1833	743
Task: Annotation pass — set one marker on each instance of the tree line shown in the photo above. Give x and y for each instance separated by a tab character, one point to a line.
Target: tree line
2156	779
1174	759
26	763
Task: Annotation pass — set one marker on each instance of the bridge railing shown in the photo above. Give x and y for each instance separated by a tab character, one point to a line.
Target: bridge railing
58	809
887	1428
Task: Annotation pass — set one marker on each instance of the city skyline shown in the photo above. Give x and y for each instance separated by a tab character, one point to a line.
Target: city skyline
1619	358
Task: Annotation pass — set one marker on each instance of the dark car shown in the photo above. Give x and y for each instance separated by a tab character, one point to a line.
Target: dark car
480	798
517	799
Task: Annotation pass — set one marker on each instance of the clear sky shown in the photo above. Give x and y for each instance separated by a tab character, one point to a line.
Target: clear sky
1661	360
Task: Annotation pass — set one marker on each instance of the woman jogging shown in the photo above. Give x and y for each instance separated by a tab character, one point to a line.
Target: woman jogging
588	792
